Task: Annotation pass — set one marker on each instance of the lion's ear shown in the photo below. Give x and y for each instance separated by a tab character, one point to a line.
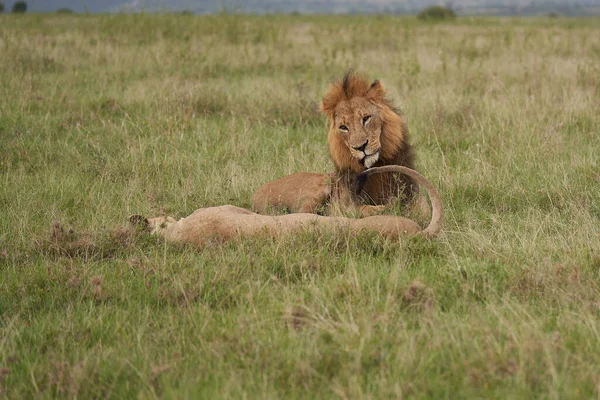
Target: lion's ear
330	101
327	108
376	91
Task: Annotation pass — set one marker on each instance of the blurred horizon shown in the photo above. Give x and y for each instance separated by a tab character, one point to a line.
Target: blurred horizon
409	7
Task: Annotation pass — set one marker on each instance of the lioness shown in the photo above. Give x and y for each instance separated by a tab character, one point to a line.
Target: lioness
229	222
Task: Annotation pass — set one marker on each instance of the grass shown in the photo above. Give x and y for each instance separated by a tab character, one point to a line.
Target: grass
105	116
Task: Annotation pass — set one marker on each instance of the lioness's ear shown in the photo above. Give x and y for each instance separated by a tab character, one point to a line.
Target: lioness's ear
376	91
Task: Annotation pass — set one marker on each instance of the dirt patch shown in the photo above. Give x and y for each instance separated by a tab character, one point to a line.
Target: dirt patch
419	297
296	317
66	242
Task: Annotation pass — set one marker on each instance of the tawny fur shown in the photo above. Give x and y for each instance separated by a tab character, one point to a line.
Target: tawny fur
302	192
229	222
307	192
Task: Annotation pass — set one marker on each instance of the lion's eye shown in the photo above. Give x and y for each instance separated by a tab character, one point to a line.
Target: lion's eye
366	119
343	128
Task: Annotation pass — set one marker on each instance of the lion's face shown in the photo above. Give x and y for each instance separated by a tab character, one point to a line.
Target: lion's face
359	118
358	123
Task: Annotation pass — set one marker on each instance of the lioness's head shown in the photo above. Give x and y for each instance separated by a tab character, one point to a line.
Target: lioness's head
358	114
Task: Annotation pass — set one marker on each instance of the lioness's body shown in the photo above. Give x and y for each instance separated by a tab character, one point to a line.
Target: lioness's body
224	223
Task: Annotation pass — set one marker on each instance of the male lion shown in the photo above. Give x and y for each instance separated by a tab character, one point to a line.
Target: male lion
364	131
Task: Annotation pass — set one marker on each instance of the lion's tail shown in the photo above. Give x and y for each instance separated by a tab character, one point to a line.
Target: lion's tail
435	225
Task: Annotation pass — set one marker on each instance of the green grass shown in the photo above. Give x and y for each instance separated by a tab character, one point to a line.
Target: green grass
105	116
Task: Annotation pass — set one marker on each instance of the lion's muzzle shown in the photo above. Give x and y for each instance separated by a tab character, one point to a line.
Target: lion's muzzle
370	159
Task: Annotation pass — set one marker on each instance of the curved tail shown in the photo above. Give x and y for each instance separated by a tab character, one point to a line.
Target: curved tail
435	225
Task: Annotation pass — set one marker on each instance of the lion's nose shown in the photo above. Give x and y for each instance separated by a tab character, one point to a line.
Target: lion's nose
361	148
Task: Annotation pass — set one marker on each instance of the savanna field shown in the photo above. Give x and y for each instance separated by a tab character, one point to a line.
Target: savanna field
105	116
